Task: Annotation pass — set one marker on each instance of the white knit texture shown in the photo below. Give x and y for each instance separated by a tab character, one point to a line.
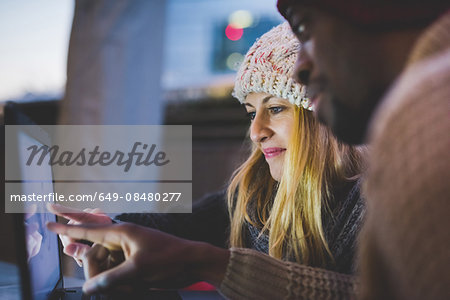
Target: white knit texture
268	67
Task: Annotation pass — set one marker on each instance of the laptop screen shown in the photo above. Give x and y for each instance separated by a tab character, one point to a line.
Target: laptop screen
42	245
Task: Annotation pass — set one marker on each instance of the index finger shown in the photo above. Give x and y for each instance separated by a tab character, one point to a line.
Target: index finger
107	235
71	213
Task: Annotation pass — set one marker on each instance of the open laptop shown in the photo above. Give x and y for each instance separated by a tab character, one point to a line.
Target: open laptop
38	249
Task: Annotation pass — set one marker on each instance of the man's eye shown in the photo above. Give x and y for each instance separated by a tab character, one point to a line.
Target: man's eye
302	31
251	115
301	28
276	109
300	24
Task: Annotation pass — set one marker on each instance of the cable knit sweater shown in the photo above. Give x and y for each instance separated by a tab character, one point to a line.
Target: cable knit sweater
406	242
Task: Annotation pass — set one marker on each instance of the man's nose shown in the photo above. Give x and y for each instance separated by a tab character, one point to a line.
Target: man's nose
259	128
303	67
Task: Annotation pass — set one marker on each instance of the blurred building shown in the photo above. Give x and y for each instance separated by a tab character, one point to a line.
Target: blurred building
205	43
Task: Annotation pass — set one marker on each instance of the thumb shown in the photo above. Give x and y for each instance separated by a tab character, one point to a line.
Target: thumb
121	274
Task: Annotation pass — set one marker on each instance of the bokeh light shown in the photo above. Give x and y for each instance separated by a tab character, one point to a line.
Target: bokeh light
241	19
234	60
233	33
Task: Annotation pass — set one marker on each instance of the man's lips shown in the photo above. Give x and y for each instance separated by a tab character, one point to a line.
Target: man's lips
315	88
272	152
315	99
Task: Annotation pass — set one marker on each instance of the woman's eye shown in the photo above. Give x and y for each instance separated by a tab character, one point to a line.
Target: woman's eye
251	115
276	109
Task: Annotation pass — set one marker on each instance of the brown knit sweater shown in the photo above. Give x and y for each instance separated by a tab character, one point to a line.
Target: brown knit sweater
405	248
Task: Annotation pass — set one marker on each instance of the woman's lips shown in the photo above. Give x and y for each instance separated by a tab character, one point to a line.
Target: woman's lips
272	152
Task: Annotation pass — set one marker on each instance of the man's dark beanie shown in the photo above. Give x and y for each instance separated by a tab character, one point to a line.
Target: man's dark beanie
377	14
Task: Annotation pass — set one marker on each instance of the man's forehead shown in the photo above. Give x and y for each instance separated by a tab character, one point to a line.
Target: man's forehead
295	9
285	7
372	14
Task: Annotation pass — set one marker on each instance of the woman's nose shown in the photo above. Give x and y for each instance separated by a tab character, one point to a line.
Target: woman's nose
260	129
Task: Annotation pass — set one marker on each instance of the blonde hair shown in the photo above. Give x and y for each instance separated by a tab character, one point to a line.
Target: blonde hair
291	211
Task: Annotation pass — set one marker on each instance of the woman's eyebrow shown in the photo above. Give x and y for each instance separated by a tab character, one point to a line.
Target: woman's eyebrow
264	101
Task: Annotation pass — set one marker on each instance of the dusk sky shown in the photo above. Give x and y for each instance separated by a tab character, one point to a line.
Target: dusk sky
33	48
35	36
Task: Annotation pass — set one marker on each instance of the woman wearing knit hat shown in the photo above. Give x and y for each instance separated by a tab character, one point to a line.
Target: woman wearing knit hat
296	198
299	180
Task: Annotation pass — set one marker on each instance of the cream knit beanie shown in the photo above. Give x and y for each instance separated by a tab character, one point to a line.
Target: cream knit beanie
268	68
